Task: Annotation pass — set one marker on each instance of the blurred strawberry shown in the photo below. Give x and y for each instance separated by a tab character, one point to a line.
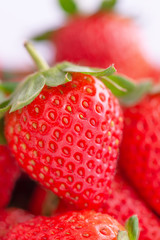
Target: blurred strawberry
43	202
124	202
9	173
140	148
10	217
101	39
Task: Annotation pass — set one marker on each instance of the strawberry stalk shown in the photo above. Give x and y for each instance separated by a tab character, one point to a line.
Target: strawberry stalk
38	60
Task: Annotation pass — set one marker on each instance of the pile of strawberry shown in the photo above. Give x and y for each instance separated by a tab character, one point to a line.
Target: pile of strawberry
88	136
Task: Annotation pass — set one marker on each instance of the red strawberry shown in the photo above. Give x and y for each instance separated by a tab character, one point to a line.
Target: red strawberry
43	202
70	226
60	125
140	149
66	137
124	202
9	218
9	173
103	39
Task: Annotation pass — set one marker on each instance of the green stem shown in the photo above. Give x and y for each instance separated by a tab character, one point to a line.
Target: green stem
38	60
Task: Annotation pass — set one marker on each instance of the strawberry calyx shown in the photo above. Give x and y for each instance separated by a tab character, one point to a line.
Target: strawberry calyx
136	94
27	90
132	227
5	89
70	6
108	5
2	137
23	93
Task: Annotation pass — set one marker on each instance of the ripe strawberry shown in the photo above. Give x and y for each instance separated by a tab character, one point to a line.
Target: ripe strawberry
124	202
61	126
72	225
9	173
140	149
103	39
66	137
11	217
43	202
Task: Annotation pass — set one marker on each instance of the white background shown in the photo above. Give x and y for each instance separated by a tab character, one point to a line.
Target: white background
20	19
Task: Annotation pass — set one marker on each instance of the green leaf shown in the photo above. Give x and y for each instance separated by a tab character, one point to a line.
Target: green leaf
8	87
122	235
119	85
43	36
27	91
30	88
2	96
132	226
123	81
2	137
69	6
136	94
4	107
69	67
108	4
113	86
55	77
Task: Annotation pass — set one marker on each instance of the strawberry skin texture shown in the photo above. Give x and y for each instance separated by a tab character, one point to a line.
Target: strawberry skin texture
124	202
70	226
140	149
9	173
37	200
11	217
68	138
101	40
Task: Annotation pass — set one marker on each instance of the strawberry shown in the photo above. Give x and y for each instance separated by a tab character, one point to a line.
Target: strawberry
44	202
66	135
124	202
99	40
9	173
140	150
73	226
11	217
